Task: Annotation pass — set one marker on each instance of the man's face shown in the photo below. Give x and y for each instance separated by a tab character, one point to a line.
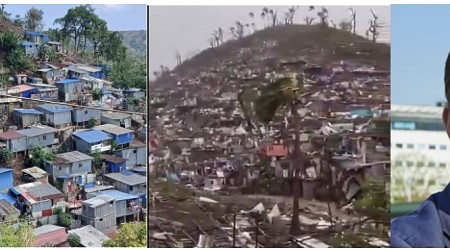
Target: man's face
446	120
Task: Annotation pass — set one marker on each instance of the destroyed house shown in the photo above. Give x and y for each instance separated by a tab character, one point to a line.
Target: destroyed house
121	136
69	90
42	135
115	164
91	140
83	115
128	182
37	198
14	141
136	154
50	235
7	211
56	115
127	205
68	164
120	119
100	212
26	117
6	179
34	174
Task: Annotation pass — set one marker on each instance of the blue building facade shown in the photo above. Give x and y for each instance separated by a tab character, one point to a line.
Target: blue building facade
6	179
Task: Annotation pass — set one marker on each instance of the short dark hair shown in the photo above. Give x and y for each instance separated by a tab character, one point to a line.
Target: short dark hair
447	78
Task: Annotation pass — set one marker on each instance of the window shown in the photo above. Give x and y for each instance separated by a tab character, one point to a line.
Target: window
101	219
431	164
111	203
403	125
85	112
134	151
410	146
443	147
399	145
398	163
442	165
409	163
80	165
44	137
131	188
421	146
60	168
420	164
431	147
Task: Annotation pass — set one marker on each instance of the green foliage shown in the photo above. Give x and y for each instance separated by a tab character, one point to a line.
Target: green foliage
97	161
74	240
136	42
5	156
14	55
275	96
128	73
374	202
112	48
130	235
132	101
65	220
350	240
91	123
114	145
267	183
57	211
33	19
97	94
22	236
38	156
47	52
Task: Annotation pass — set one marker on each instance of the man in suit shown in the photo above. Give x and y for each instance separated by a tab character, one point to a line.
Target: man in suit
429	225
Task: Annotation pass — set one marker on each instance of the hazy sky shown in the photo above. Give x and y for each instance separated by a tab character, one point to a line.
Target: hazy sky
118	17
418	53
188	28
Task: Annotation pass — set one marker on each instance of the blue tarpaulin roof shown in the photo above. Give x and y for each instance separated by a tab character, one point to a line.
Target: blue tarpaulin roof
7	197
66	81
54	108
28	111
116	194
92	136
26	43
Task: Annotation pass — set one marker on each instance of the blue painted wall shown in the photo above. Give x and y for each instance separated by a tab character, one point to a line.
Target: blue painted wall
6	180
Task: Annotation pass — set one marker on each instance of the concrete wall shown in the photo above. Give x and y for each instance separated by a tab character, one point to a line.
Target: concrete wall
84	115
135	156
68	168
43	140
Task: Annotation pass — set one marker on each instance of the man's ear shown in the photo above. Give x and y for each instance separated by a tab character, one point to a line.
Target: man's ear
445	119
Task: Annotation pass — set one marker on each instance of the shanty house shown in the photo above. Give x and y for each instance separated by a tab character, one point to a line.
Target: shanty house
134	93
89	236
49	74
127	205
34	174
14	141
31	49
122	136
50	235
22	90
45	91
91	140
83	115
136	154
37	198
79	71
56	46
6	179
7	211
128	182
26	117
42	135
36	37
115	164
120	119
69	90
68	163
56	115
100	212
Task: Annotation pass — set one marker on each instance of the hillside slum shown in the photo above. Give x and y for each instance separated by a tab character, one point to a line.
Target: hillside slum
97	175
215	183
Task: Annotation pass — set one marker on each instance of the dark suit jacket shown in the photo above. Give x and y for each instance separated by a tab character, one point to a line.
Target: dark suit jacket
428	226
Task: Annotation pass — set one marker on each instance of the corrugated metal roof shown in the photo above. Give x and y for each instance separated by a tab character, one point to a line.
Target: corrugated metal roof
68	81
20	88
10	135
35	172
119	196
46	229
132	90
116	115
113	129
28	111
89	236
114	159
54	108
72	156
35	131
37	191
131	180
6	208
98	200
92	136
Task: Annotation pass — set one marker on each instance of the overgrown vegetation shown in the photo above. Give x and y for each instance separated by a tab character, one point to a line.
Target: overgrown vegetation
13	55
38	156
74	240
65	220
16	236
5	157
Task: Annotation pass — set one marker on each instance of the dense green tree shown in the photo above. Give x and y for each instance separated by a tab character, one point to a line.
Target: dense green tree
127	73
112	48
5	157
97	161
33	19
12	236
38	156
74	240
130	235
14	55
65	220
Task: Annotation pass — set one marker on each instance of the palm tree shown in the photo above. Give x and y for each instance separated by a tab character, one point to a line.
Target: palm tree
285	92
